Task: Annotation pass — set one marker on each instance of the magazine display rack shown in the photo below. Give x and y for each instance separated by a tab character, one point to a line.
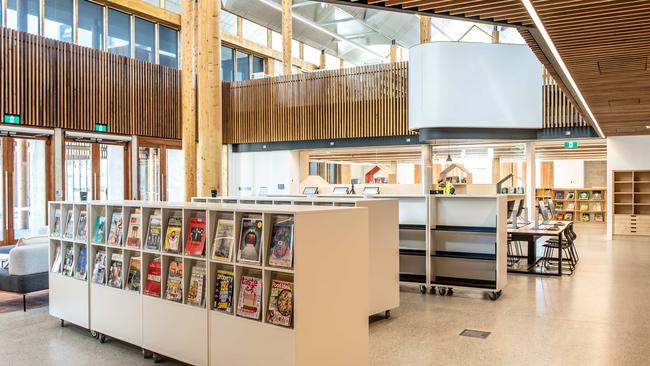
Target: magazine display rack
385	216
202	334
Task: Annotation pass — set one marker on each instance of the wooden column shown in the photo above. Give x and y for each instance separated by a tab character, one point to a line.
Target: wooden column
208	64
188	79
495	35
393	52
425	29
322	60
287	35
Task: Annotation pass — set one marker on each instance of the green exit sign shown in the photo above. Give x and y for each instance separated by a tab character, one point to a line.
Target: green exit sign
13	119
99	127
570	144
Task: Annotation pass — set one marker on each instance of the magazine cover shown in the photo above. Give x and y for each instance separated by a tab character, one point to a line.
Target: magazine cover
568	216
69	226
281	249
250	241
133	239
56	228
585	217
250	297
100	229
597	195
82	261
570	195
197	285
583	195
115	274
82	232
173	235
174	289
598	217
195	244
559	195
154	232
99	269
115	235
224	291
152	286
56	265
133	281
68	262
281	303
223	240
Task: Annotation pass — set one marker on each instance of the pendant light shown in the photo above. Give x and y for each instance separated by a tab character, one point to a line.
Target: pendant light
448	153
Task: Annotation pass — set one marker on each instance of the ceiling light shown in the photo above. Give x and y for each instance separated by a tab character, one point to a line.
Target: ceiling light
449	157
648	126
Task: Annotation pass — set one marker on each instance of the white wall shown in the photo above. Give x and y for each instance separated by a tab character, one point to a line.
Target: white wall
255	170
624	153
568	174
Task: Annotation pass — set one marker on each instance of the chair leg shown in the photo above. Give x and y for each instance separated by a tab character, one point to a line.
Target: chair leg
24	303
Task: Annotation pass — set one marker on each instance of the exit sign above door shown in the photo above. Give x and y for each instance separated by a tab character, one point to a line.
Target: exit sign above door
13	119
570	144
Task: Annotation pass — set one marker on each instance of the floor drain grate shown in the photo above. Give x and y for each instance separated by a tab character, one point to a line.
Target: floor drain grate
474	333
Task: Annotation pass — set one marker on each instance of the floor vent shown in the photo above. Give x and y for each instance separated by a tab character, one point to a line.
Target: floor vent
474	333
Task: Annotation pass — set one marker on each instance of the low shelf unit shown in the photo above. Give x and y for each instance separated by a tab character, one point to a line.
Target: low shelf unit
576	204
631	202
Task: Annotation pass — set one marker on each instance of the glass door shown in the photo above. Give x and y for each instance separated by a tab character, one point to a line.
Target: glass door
175	175
112	176
161	173
3	188
78	171
150	177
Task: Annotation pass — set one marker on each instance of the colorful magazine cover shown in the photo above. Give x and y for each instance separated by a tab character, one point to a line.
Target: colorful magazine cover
174	289
134	237
152	286
173	235
68	262
82	230
56	228
133	280
69	226
154	232
223	240
281	303
196	290
224	291
250	297
195	244
100	230
115	274
82	261
250	241
281	248
99	269
115	235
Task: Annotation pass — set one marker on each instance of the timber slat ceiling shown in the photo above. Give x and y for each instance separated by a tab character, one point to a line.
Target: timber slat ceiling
57	84
606	47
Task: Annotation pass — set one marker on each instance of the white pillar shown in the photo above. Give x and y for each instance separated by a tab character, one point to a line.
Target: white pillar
531	179
59	164
426	169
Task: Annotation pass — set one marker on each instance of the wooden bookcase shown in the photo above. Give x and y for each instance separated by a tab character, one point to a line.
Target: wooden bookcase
631	195
578	205
201	335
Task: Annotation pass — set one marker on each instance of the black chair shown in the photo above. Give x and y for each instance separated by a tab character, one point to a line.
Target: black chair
514	251
567	246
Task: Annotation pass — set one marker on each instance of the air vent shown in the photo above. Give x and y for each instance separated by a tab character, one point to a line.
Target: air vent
624	102
619	65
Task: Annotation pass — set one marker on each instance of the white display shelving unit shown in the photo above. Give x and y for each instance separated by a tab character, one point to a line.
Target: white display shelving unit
385	217
201	335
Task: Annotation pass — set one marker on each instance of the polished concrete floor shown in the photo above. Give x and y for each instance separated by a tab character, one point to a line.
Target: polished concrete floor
599	316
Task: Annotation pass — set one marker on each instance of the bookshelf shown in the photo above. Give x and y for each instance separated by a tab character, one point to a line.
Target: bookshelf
631	202
203	335
578	205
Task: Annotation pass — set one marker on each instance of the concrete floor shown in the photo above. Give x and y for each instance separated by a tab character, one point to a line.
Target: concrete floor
599	316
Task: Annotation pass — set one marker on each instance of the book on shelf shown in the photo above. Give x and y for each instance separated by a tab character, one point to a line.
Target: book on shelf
69	226
82	261
560	216
584	207
56	265
133	279
115	235
152	284
250	297
99	269
100	229
570	195
133	239
224	291
583	195
559	195
173	234
196	289
281	247
223	239
585	217
596	195
559	206
280	310
195	244
568	216
250	242
174	288
56	226
154	231
570	206
82	223
598	217
115	274
597	207
68	261
547	193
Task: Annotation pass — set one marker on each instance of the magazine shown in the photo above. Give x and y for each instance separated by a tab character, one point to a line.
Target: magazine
56	265
115	274
82	232
250	241
69	226
250	297
135	221
133	280
174	289
100	229
222	245
197	286
281	247
68	262
82	261
154	232
173	234
99	269
56	227
583	195
224	291
115	235
195	244
281	303
152	285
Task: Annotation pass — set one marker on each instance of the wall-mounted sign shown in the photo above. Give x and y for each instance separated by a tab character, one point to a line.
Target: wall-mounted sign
13	119
570	144
99	127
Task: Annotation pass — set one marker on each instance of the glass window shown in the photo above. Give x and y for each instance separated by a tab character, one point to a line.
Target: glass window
278	68
254	32
2	192
295	48
228	22
175	186
276	41
167	46
153	2
173	5
78	171
29	187
23	15
119	33
111	172
332	62
145	40
227	64
58	20
149	173
91	25
257	64
312	55
243	69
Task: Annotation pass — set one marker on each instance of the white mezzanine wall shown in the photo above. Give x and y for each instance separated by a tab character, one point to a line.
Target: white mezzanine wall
265	172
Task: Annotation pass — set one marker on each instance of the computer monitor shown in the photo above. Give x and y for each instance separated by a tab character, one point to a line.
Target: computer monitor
511	208
543	211
520	208
340	190
310	190
371	190
551	208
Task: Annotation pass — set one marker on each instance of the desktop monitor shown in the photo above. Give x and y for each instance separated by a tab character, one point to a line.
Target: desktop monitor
371	190
310	190
551	208
520	208
340	190
511	208
543	211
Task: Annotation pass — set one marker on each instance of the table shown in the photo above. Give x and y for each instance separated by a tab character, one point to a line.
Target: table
530	234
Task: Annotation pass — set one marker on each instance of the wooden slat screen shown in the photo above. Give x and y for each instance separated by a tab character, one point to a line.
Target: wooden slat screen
366	101
56	84
557	108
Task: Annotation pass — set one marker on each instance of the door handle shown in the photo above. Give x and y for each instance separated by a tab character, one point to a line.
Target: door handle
6	194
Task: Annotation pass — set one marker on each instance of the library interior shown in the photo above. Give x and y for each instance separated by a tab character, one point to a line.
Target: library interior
176	175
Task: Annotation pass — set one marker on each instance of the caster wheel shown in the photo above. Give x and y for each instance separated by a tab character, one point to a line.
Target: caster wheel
442	291
146	353
387	314
94	334
102	338
450	292
62	323
157	358
433	290
494	295
423	289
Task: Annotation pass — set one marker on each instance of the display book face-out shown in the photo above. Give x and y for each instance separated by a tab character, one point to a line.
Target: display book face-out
82	232
154	231
135	222
56	228
250	297
100	229
174	289
133	279
173	234
69	226
115	274
99	269
223	239
281	247
280	310
56	265
68	261
224	291
80	271
250	241
195	244
115	235
152	285
196	290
